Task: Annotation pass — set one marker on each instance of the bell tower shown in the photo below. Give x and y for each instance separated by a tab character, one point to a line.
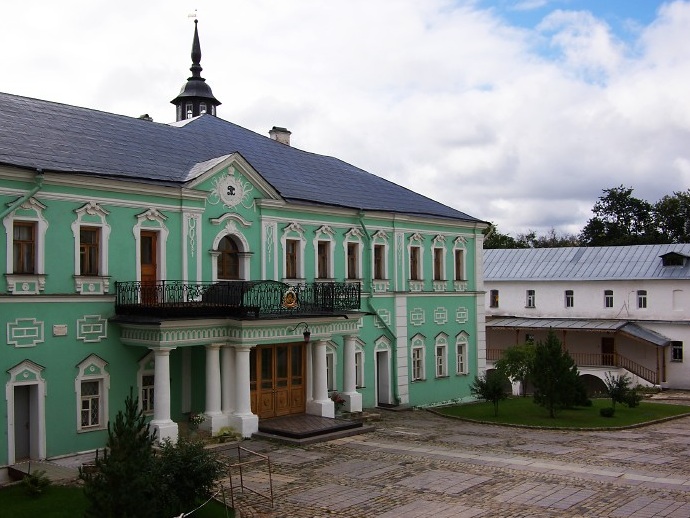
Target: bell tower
195	97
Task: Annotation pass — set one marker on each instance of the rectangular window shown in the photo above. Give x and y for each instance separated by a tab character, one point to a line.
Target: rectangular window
676	351
441	370
438	264
459	265
379	264
461	358
147	394
569	299
493	299
417	364
353	260
24	241
89	245
330	373
415	274
641	299
530	299
608	298
324	259
90	404
291	258
359	369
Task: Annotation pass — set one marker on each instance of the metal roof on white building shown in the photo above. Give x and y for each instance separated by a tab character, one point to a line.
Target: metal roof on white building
585	263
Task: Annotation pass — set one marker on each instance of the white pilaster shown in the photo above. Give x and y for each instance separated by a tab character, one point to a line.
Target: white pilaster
320	404
165	427
227	369
353	399
243	421
215	420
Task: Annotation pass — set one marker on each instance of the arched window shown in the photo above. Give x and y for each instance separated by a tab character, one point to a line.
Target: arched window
229	259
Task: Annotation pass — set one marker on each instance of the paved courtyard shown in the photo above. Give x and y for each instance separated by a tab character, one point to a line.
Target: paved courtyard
417	464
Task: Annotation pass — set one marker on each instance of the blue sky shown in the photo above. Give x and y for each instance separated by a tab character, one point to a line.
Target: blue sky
518	112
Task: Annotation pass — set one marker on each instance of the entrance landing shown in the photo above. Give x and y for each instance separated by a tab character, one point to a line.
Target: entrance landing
308	429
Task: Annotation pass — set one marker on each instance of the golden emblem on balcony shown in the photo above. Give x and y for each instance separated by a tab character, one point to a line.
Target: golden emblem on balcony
290	298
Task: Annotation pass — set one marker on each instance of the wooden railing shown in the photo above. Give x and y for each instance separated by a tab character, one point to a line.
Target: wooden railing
597	360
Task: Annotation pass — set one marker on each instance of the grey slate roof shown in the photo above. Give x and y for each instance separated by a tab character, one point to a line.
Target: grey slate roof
584	263
73	140
630	328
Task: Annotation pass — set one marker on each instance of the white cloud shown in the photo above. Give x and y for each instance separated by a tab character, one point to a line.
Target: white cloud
440	96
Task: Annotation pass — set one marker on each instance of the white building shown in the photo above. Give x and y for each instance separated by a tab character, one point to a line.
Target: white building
623	310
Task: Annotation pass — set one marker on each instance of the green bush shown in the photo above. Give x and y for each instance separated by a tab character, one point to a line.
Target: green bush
607	411
36	483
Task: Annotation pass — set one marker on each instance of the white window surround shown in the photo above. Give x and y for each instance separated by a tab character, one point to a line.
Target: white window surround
380	238
530	298
147	367
354	235
359	363
460	245
331	367
231	230
416	240
30	210
441	355
461	349
152	221
418	357
93	368
296	232
94	216
326	234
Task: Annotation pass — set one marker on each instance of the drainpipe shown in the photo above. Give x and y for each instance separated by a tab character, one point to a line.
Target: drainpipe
372	309
39	183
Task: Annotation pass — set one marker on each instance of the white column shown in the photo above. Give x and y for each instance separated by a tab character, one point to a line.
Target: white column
321	404
164	426
353	399
214	418
243	421
227	370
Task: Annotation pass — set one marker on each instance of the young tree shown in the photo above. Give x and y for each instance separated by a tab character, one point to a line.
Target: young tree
619	390
517	363
124	475
489	387
555	377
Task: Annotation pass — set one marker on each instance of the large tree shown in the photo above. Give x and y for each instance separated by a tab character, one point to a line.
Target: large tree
555	377
672	218
619	219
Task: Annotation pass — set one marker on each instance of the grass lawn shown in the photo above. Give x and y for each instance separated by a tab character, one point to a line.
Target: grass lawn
523	411
69	502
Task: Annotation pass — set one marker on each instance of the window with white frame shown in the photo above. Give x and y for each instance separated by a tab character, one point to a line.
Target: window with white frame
641	299
330	369
359	368
417	356
25	230
569	299
415	263
530	299
461	366
493	298
676	351
608	298
439	264
324	246
293	251
352	244
441	355
459	256
91	235
146	378
379	253
353	260
91	387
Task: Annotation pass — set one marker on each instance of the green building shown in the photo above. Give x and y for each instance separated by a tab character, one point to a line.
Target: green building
217	271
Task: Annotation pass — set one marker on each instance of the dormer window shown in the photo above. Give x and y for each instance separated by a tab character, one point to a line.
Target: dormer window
673	259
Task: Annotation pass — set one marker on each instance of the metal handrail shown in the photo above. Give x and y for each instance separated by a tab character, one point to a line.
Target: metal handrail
240	464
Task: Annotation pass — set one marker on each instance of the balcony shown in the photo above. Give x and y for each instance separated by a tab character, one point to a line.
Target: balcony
234	299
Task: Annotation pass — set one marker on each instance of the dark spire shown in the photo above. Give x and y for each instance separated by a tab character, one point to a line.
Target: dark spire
195	97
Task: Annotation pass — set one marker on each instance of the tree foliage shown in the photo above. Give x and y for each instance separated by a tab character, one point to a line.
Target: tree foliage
131	480
489	387
517	363
556	380
619	390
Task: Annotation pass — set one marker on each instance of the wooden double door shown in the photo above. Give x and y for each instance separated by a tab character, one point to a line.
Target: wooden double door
277	379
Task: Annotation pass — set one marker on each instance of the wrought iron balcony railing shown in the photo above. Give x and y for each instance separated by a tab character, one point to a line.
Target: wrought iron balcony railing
238	299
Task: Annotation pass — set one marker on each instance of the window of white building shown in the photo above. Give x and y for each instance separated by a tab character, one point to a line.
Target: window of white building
676	351
530	299
641	299
608	298
569	299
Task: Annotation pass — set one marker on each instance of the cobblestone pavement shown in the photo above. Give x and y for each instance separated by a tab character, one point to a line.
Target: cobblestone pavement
417	464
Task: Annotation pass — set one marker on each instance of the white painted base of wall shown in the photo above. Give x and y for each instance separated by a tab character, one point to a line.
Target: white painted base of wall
165	430
214	422
324	408
353	401
246	425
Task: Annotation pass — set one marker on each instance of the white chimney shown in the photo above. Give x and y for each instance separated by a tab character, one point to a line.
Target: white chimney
282	135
